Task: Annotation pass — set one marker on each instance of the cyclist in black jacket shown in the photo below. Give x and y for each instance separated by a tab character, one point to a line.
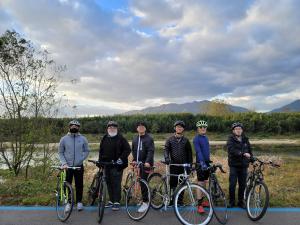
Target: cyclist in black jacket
143	151
114	147
178	150
239	154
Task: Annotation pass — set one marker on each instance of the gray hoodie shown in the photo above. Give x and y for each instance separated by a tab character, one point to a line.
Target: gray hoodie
73	149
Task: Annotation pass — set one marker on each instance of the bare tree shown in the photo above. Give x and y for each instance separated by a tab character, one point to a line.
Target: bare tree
27	92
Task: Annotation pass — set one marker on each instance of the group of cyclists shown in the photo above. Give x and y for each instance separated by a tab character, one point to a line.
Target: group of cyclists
74	149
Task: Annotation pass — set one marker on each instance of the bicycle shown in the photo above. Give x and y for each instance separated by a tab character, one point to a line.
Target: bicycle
98	187
184	197
218	199
137	193
256	193
64	195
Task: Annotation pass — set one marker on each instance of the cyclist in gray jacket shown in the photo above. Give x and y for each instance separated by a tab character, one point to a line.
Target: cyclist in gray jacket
73	150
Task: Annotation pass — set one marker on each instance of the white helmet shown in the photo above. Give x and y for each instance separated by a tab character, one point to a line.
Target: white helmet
201	123
74	122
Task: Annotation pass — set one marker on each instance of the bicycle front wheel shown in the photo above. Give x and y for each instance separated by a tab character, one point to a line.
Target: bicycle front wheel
158	189
93	191
64	201
138	200
218	200
186	204
257	201
101	200
248	186
128	182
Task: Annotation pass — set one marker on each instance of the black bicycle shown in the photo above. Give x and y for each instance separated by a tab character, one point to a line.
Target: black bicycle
256	192
217	195
98	187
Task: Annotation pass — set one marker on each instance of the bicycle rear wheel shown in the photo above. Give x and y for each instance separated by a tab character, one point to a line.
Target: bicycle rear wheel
257	201
158	188
138	200
64	201
101	200
186	205
218	200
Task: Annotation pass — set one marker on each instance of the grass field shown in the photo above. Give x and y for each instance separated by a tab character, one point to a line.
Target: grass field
283	183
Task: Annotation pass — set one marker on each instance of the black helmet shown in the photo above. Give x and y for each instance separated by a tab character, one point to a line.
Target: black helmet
180	123
237	124
112	124
141	123
74	122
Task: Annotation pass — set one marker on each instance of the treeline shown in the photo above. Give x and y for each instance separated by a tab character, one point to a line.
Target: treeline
277	123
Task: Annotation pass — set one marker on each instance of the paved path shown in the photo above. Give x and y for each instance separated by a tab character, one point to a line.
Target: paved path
47	216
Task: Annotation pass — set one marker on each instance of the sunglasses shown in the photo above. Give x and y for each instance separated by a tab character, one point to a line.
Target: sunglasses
202	127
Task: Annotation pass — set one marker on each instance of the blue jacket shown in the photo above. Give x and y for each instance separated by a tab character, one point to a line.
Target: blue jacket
73	149
201	145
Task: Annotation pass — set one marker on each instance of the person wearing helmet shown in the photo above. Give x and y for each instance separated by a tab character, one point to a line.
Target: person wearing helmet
143	151
73	150
201	145
239	154
114	147
177	150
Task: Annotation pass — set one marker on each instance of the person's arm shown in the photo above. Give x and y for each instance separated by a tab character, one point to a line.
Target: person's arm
199	155
86	149
167	150
126	150
150	152
231	149
188	148
100	150
61	151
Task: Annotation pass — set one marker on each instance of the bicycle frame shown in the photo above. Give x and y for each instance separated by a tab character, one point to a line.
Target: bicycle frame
182	180
62	176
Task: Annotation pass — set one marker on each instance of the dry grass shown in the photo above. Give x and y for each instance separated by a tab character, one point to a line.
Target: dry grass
283	182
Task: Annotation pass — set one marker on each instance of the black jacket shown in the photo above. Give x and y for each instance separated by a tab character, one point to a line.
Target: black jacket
146	151
178	150
121	150
236	149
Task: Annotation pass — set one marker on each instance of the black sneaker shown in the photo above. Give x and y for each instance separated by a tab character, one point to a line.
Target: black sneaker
116	206
231	205
242	205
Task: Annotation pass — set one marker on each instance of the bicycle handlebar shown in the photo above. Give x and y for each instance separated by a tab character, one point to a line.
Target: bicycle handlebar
271	163
218	165
101	163
69	167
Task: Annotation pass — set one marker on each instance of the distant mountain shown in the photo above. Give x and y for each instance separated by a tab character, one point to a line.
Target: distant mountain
292	107
190	107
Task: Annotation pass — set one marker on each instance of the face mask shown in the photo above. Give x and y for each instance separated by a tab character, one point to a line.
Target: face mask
73	130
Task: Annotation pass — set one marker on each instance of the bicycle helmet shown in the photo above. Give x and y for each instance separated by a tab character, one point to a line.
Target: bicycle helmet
74	122
112	124
237	124
180	123
201	123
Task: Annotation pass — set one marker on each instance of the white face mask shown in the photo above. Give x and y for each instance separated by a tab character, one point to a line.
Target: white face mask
112	134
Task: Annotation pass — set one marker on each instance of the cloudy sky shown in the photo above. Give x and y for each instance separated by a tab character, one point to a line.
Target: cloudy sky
124	55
